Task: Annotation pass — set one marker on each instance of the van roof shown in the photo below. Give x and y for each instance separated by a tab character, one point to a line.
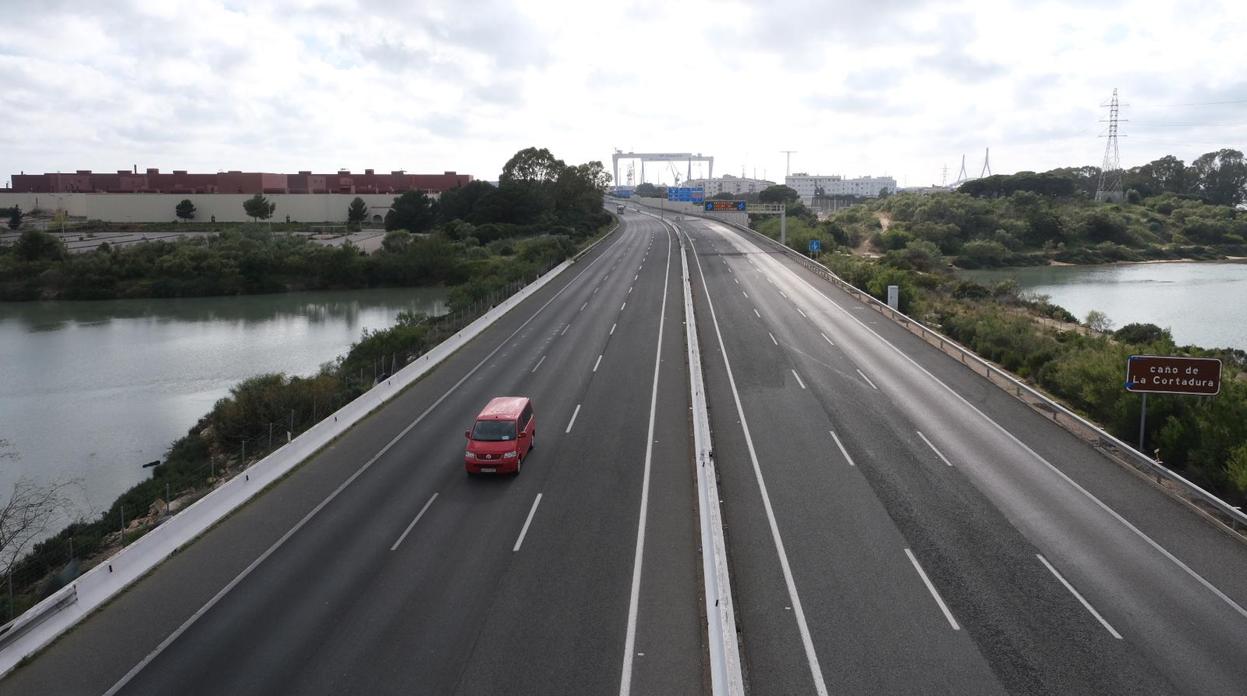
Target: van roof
503	408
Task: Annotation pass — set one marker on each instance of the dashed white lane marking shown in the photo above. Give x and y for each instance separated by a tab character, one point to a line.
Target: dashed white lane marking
1085	603
527	522
543	359
794	374
745	294
755	311
629	289
582	307
801	313
843	451
872	384
612	333
413	522
825	338
572	422
933	448
931	588
595	369
784	294
768	333
621	307
564	331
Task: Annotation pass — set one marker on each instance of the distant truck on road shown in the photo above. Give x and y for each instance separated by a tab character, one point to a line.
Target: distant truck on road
619	208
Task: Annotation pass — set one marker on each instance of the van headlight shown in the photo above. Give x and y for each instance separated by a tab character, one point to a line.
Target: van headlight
512	453
469	455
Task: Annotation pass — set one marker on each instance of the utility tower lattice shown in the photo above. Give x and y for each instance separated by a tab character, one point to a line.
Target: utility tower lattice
1110	171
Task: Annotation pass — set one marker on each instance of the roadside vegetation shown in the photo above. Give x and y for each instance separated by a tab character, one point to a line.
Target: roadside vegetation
1171	211
483	242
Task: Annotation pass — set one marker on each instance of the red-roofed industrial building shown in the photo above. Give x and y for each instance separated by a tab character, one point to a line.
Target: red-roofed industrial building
182	182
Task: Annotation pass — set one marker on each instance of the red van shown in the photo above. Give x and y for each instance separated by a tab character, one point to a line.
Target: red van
501	437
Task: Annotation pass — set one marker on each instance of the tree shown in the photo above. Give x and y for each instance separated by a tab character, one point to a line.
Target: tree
464	202
15	217
258	207
778	194
647	190
185	209
34	245
1098	321
25	517
723	196
413	211
531	165
1219	177
357	212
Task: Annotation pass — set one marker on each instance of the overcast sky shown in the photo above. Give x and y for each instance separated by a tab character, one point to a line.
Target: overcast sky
900	87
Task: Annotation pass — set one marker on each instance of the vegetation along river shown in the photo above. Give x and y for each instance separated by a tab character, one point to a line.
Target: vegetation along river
1202	304
90	391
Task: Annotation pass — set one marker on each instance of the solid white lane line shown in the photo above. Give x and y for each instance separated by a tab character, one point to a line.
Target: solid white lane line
755	311
413	522
572	422
768	333
1080	598
564	331
816	671
543	359
842	449
872	384
820	333
612	333
527	522
595	369
582	307
801	313
621	307
169	640
931	588
634	599
933	449
794	374
745	294
1238	608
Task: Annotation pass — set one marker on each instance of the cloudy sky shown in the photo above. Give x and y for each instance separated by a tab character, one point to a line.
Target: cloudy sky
900	87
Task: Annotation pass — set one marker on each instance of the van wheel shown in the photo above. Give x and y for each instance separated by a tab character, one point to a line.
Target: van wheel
532	442
518	464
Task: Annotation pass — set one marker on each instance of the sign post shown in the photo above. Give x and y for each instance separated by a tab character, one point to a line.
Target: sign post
1159	374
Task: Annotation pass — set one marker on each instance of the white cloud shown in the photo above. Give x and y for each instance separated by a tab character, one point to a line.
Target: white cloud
900	86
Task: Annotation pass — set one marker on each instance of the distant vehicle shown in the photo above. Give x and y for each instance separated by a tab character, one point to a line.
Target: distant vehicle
620	209
501	437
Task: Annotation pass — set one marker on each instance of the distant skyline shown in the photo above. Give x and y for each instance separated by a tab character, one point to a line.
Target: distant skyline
896	87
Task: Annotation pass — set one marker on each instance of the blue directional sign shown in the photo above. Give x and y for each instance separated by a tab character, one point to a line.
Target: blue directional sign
816	245
686	194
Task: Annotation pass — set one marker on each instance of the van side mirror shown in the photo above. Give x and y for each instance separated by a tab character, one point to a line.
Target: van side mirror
467	434
522	435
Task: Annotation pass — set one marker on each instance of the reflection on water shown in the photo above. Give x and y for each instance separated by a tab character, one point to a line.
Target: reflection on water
1203	304
91	390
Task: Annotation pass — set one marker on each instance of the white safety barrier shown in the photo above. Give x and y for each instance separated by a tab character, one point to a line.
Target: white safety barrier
1202	501
57	613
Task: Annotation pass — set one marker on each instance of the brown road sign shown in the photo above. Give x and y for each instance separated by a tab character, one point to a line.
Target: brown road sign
1160	374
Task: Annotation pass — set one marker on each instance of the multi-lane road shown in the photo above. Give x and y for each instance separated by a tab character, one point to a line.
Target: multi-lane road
894	523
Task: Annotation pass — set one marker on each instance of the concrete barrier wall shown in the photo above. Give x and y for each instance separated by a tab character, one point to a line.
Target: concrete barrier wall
59	612
227	207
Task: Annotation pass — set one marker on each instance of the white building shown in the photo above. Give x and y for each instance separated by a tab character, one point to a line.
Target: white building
735	185
808	186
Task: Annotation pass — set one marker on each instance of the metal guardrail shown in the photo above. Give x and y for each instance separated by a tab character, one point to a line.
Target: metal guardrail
1169	480
36	615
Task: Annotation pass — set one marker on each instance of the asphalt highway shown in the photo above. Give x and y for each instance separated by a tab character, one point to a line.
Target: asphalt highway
897	525
383	569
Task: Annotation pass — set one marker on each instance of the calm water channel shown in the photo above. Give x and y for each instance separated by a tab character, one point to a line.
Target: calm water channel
1203	304
92	390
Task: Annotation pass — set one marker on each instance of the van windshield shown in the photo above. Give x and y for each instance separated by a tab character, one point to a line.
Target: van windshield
493	430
